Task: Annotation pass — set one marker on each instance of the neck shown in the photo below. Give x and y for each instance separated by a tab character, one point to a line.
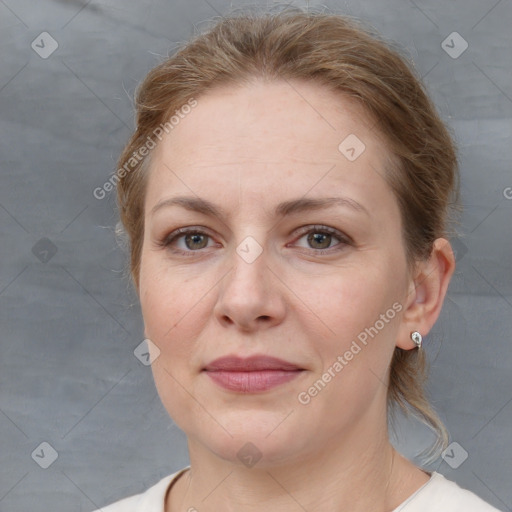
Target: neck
355	472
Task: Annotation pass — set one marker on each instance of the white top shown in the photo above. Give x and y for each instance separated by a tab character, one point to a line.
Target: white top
438	494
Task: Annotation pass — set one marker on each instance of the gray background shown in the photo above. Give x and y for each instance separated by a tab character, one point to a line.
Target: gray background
70	323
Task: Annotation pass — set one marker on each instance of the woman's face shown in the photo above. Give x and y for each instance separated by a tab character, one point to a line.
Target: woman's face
268	269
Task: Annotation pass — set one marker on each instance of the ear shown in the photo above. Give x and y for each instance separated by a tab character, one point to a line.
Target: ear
427	290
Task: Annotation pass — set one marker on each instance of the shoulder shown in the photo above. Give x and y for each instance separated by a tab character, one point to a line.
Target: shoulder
152	499
439	493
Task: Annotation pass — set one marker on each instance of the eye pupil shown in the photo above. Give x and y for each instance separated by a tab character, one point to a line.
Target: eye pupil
195	241
319	238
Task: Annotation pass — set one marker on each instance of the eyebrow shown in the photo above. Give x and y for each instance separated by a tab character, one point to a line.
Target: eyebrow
302	204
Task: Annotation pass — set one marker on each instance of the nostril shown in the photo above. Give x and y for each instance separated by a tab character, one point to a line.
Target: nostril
227	319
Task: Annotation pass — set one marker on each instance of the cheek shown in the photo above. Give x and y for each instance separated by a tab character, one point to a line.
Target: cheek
350	299
358	309
167	297
172	314
357	306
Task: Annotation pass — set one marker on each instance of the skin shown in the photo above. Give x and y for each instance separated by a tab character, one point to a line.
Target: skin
246	149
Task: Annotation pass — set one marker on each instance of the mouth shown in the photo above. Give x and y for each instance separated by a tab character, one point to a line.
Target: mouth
252	374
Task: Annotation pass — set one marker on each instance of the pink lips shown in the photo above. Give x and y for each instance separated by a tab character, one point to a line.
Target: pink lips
253	374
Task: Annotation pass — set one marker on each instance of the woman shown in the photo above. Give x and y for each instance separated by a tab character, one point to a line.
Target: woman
285	194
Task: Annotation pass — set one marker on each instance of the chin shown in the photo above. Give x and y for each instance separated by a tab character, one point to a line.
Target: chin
258	439
255	453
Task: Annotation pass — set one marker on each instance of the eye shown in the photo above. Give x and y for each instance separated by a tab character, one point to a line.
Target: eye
186	240
322	238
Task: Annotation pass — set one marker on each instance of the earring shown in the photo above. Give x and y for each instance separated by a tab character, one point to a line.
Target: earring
417	338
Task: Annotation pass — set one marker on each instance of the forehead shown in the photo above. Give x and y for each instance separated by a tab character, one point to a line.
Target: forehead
299	115
280	138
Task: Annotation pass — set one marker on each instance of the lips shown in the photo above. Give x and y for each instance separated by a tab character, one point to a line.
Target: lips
252	374
250	364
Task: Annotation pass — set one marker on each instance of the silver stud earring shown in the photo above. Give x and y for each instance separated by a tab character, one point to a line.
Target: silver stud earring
417	338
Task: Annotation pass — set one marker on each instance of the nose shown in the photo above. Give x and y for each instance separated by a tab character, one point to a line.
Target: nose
251	297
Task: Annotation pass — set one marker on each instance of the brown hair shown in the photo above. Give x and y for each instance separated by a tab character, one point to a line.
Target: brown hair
346	57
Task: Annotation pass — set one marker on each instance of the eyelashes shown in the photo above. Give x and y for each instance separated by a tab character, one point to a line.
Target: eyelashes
194	240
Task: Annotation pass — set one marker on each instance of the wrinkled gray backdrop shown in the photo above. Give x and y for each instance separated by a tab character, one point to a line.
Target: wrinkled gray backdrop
69	323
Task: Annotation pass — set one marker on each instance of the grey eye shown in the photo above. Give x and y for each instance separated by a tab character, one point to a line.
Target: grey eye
319	240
